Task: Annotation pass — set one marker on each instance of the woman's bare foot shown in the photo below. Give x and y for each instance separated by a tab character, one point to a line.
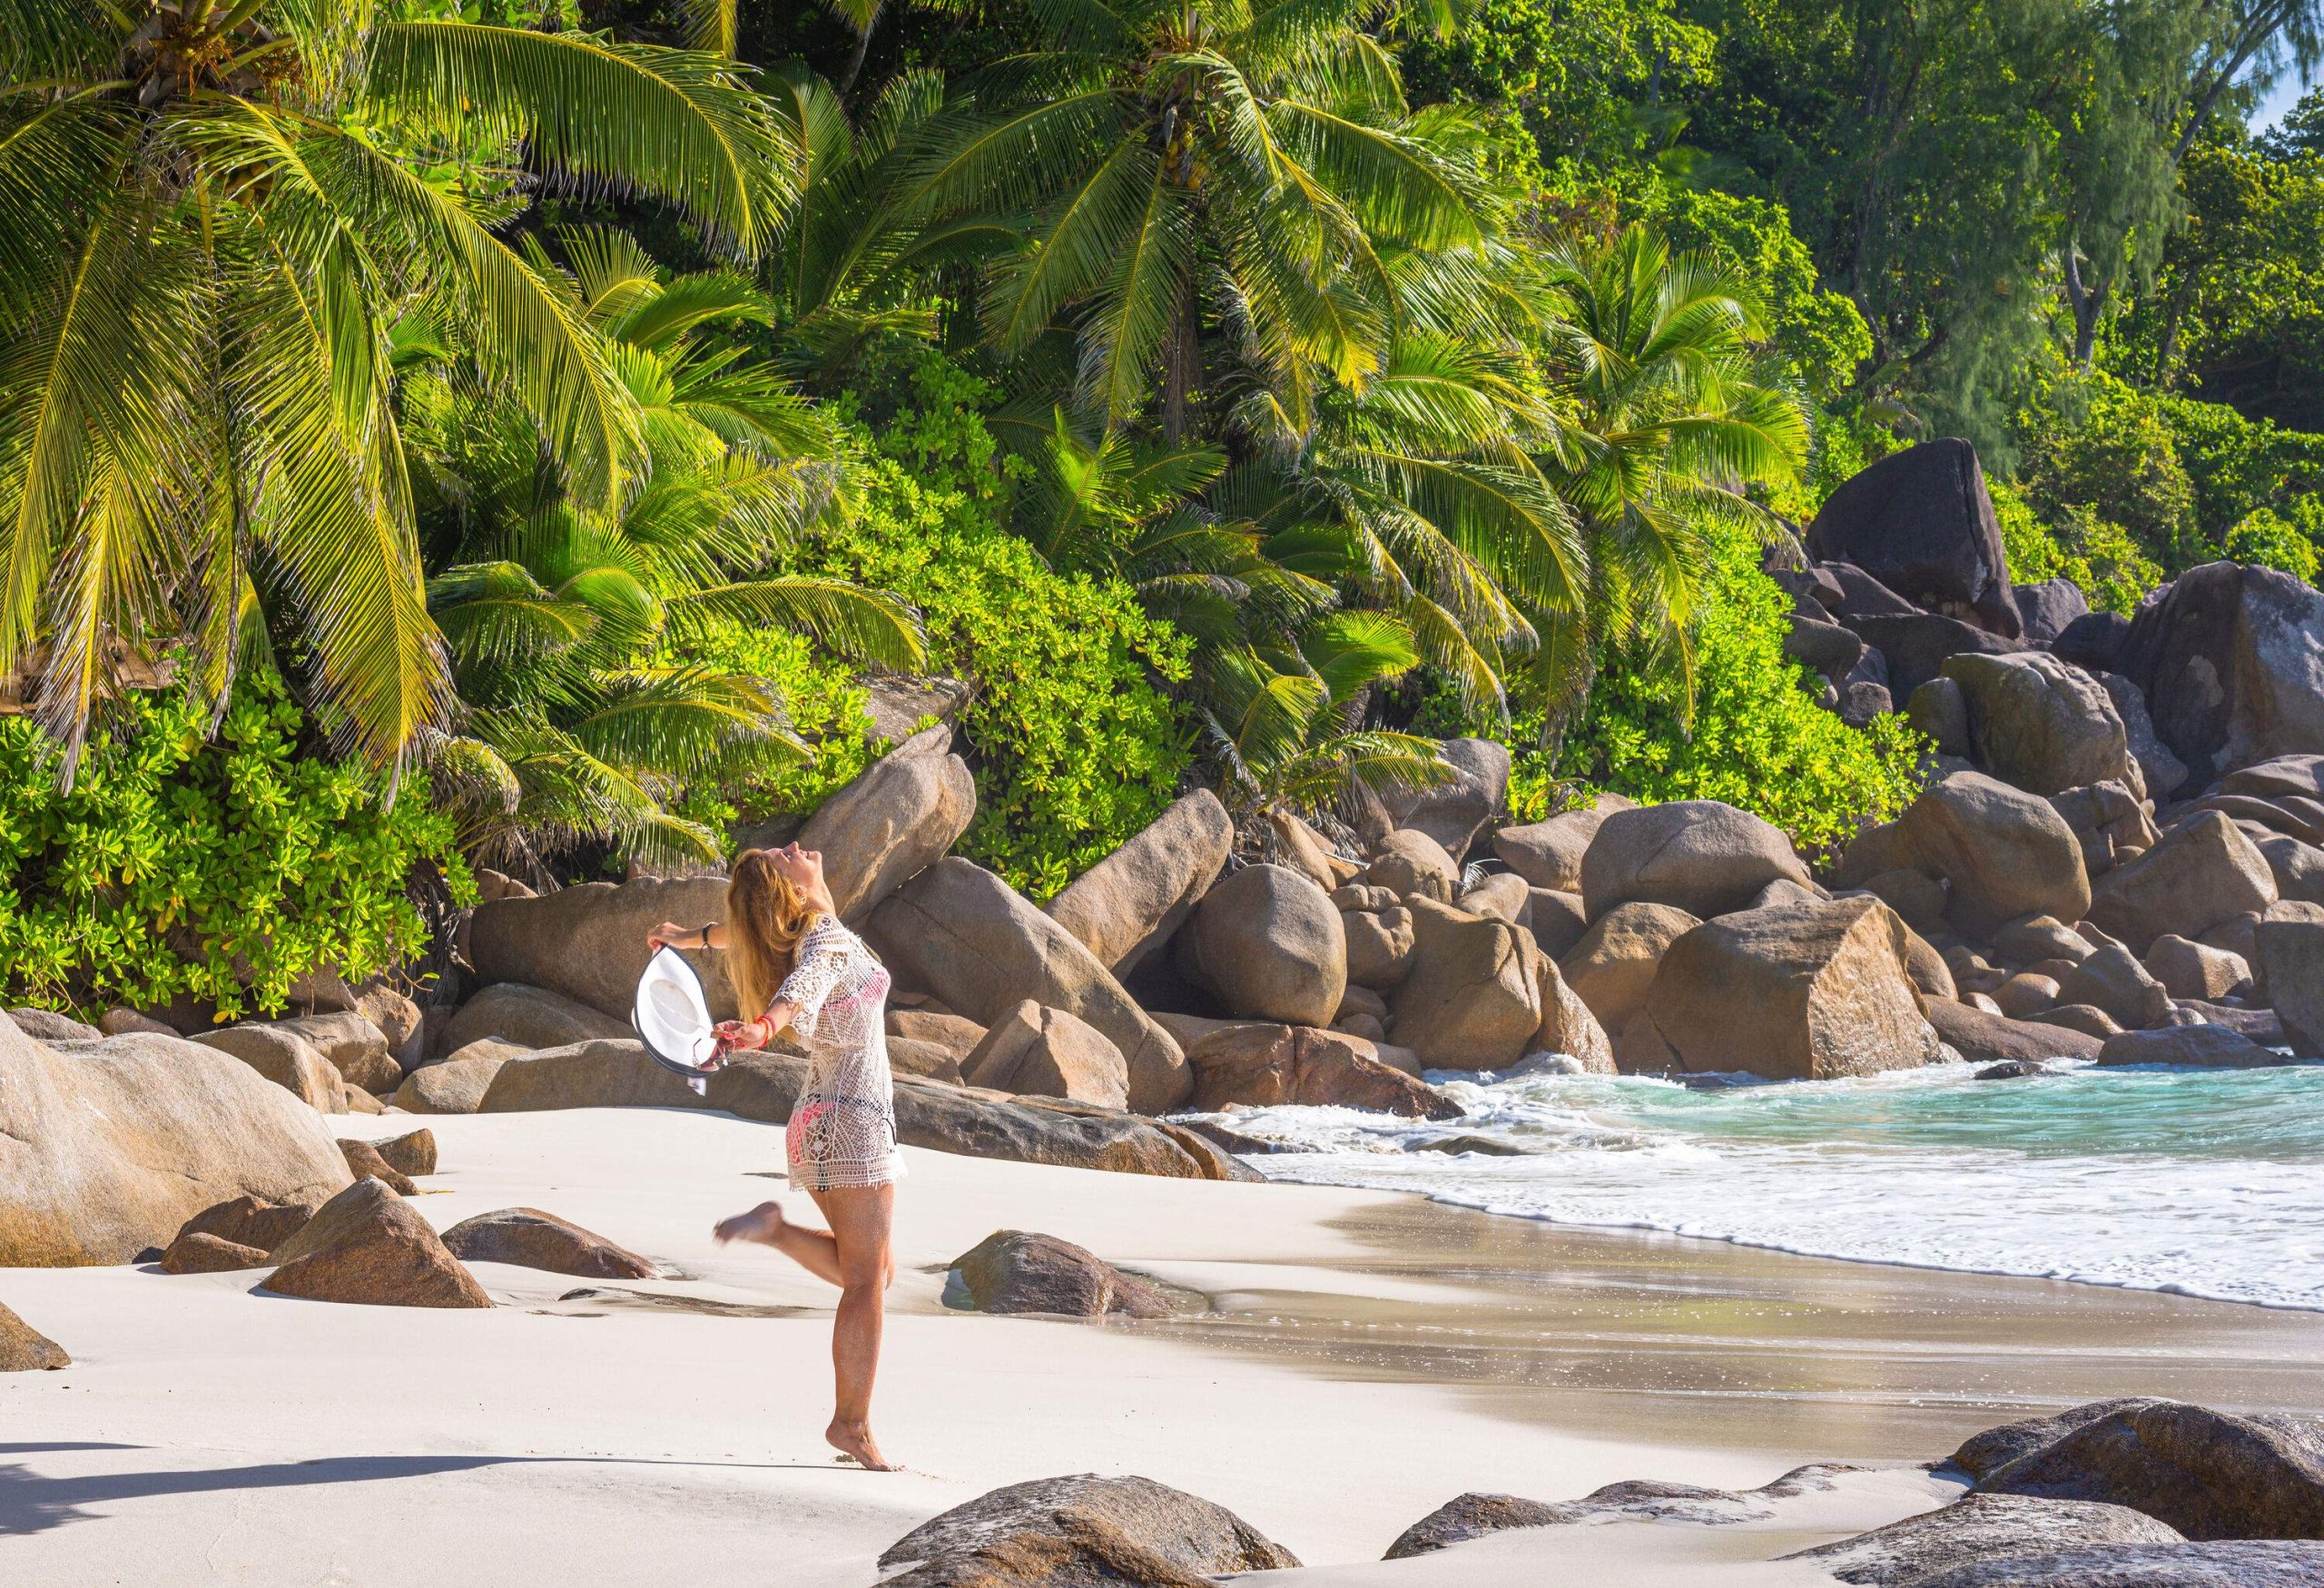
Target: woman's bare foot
854	1442
761	1224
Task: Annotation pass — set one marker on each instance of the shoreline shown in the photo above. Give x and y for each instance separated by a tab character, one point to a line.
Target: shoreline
210	1435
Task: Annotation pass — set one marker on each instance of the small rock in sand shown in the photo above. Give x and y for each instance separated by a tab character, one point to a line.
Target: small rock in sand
367	1246
411	1153
1084	1529
1017	1271
530	1238
25	1349
363	1158
196	1253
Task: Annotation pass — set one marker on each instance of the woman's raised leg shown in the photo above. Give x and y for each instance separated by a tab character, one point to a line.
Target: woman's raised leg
811	1249
862	1219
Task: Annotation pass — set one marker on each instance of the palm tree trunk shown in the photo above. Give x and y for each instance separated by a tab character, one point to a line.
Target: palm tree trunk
1179	366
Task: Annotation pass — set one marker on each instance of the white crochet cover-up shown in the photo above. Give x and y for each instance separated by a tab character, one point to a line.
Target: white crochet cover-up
843	1126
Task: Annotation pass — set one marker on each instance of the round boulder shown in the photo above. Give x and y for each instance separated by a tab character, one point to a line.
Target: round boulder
1698	855
1270	944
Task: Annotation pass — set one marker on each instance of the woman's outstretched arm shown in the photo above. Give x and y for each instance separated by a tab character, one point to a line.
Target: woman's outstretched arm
670	934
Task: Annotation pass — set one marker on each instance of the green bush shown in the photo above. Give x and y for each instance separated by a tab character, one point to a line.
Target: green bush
819	695
2266	537
2103	446
221	869
2099	557
1757	740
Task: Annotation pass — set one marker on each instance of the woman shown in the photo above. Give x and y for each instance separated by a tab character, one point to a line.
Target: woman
794	964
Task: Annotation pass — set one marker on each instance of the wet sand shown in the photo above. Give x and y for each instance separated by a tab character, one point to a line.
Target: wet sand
1665	1338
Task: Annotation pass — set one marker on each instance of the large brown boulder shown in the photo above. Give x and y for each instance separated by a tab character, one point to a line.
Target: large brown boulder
1061	1532
893	822
1921	522
46	1025
1568	1025
2043	726
458	1085
1504	895
1985	1537
1017	1271
411	1153
1990	1039
249	1221
284	1058
2005	852
195	1252
527	1238
2114	980
2112	826
1264	1064
1412	864
605	1073
528	1017
364	1162
1470	1001
1698	855
366	1245
2287	947
25	1349
1455	811
1548	855
588	943
2204	871
107	1151
1129	904
2207	1047
1914	646
962	935
1049	1052
2207	1474
2232	662
1613	964
1269	944
1807	992
2164	773
1379	945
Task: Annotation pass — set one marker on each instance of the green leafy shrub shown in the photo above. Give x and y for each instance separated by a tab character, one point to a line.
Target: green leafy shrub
221	869
2101	557
2268	539
1757	740
1076	747
821	697
2119	458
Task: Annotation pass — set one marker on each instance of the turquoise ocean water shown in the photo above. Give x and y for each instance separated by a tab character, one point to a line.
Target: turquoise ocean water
2209	1183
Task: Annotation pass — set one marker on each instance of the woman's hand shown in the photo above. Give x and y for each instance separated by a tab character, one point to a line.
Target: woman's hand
743	1035
668	935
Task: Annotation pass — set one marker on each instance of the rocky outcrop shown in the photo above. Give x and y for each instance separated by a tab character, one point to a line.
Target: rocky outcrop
2112	826
1984	1535
2113	980
25	1349
1085	1529
1613	964
1453	811
1412	864
46	1025
956	1034
249	1221
2005	852
195	1252
367	1246
1914	647
2043	726
1049	1052
891	822
2207	1474
2206	1047
1920	522
457	1086
2188	969
1697	855
1795	991
1467	1517
606	1073
962	935
1264	1065
587	944
2046	610
1548	855
2203	873
1503	895
2288	950
1475	1515
411	1153
2164	773
1129	904
530	1017
284	1058
1379	945
1469	1002
2230	659
1985	1038
1017	1271
109	1149
1269	944
363	1161
1568	1026
527	1238
350	1044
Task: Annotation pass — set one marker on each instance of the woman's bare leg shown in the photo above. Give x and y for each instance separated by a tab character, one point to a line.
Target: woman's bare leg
861	1217
812	1249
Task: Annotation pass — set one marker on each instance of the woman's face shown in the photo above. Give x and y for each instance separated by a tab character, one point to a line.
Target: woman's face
802	868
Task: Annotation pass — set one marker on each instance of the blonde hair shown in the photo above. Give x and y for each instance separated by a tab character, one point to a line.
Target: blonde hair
766	918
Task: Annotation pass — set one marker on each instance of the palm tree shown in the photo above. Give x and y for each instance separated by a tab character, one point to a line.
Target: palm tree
1202	165
576	632
210	215
1666	420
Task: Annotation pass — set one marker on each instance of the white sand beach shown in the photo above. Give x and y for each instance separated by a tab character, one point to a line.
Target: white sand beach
1370	1356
